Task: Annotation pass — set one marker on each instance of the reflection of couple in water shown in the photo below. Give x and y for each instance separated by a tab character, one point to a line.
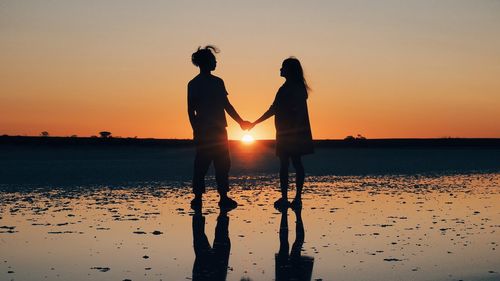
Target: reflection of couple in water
207	104
211	261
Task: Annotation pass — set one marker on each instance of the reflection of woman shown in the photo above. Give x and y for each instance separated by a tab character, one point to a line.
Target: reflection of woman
211	262
293	131
292	266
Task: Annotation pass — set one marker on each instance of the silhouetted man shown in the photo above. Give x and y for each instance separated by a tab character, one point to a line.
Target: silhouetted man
207	104
210	263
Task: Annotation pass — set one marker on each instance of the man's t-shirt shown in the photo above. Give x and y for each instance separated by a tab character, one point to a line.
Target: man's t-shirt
207	95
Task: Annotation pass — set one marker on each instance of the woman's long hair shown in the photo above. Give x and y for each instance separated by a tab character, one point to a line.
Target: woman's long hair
295	72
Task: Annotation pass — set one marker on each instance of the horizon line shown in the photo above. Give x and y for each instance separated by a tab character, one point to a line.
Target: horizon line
190	139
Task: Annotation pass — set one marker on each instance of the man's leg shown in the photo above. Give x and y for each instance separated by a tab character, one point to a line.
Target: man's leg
201	165
222	164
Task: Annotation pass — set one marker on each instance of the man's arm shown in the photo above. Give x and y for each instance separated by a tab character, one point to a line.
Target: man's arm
232	112
191	108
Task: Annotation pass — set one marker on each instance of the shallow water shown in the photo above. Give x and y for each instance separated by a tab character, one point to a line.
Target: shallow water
387	227
55	166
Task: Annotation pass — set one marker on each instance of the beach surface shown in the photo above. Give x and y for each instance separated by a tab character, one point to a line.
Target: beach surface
370	227
118	209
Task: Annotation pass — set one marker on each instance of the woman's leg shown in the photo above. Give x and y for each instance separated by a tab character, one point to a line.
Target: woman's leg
299	175
284	163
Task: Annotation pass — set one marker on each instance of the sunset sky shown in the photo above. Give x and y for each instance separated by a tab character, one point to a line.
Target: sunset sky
383	69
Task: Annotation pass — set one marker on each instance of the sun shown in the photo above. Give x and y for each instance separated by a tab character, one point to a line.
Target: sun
247	139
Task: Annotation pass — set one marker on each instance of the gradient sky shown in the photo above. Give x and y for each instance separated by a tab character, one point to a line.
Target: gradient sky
382	69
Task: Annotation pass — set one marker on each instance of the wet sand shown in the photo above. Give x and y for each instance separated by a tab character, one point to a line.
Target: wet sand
408	227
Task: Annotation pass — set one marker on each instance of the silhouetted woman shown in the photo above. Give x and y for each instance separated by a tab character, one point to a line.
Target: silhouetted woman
293	130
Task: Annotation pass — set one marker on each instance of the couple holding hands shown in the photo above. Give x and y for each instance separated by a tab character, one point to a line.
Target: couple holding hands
207	104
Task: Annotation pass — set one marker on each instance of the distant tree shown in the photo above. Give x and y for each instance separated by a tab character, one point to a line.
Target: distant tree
360	137
105	134
93	136
73	136
44	134
349	138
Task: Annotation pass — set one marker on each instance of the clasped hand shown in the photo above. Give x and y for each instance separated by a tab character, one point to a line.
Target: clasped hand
246	125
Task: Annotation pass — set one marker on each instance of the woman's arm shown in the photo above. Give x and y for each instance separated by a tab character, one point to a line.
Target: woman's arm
270	112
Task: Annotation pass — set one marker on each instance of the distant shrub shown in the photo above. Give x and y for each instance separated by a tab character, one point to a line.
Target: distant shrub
357	137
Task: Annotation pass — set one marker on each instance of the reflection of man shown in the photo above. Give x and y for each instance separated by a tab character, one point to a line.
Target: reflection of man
211	263
292	266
